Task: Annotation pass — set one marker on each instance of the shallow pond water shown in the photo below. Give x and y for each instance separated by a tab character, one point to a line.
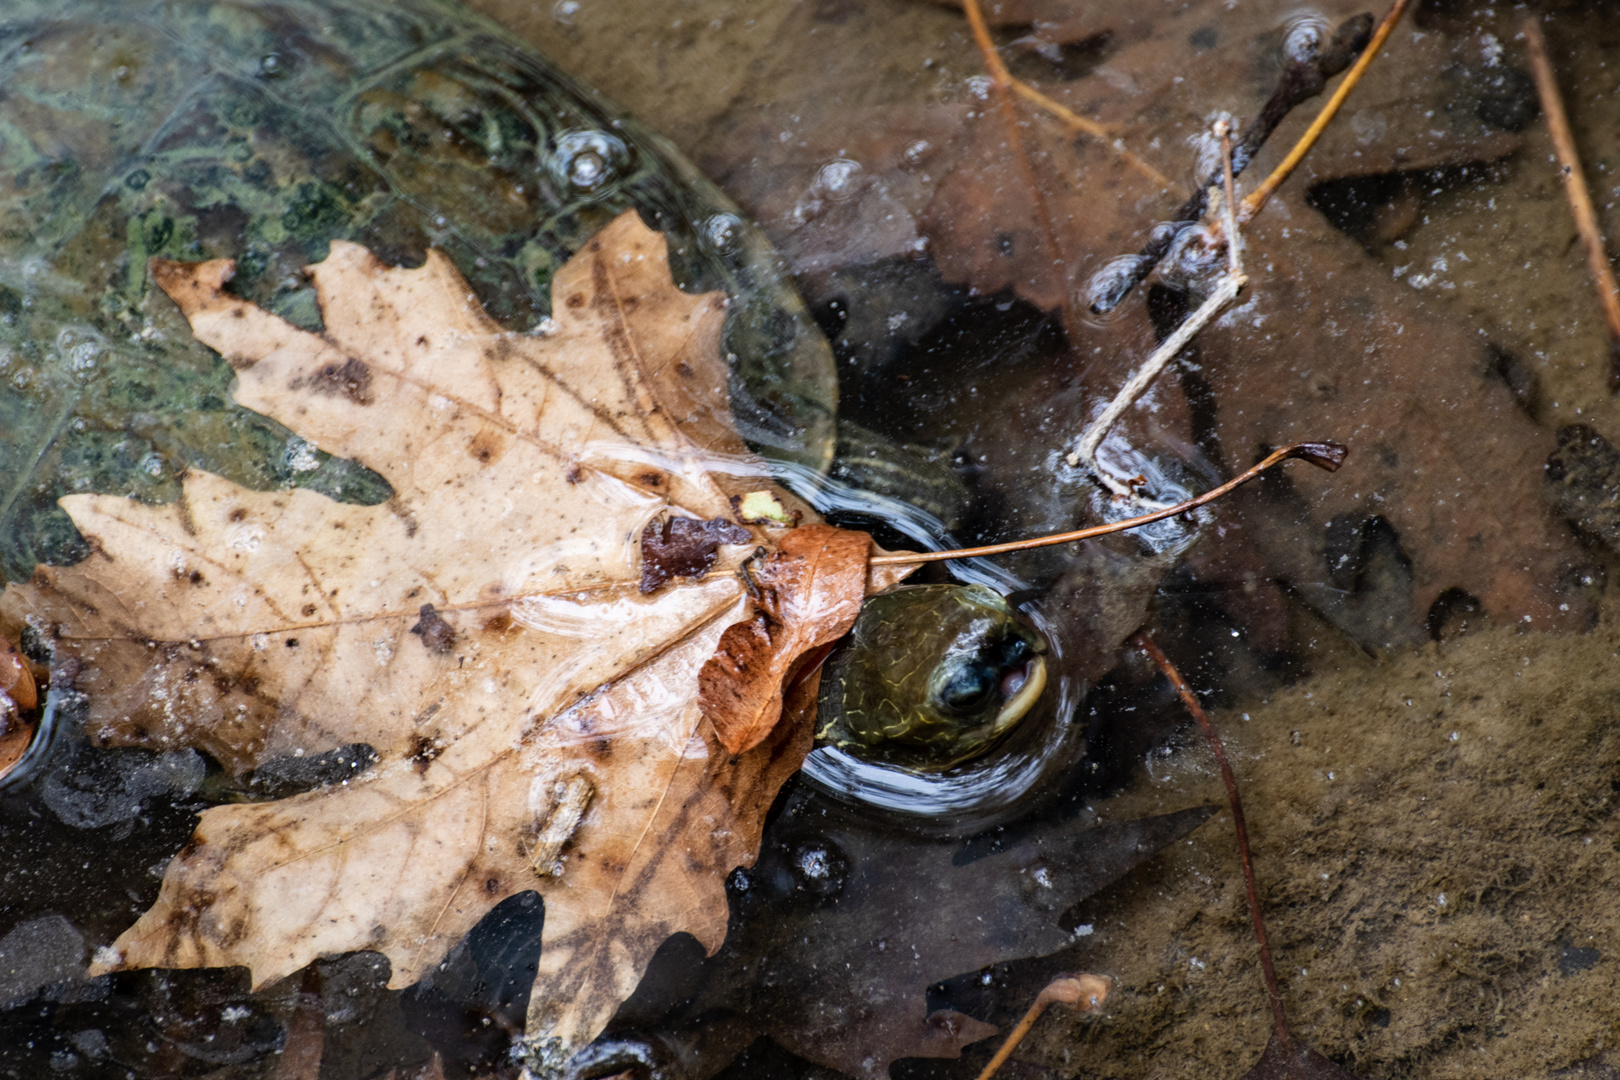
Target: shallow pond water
1416	661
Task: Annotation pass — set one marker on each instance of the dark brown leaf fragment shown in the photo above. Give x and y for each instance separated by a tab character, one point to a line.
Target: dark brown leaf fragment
1324	455
350	379
438	635
684	547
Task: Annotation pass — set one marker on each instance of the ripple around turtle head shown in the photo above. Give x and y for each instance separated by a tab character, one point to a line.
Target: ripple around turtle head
1020	773
1017	776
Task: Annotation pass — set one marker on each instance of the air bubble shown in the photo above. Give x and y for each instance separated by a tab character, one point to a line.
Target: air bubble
721	233
1109	285
589	161
1303	36
837	178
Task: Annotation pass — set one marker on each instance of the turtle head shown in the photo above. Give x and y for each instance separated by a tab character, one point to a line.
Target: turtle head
930	676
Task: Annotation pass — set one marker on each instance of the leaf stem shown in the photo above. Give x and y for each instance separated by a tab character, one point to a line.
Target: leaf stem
1085	993
1325	455
1002	82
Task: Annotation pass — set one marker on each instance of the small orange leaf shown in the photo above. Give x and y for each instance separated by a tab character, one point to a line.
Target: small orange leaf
810	591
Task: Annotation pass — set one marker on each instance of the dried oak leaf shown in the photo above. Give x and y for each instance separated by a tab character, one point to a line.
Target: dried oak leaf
534	712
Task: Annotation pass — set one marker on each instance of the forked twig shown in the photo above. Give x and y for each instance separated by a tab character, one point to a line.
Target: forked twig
1278	1017
1231	283
1084	993
1302	79
1580	200
1324	455
1085	452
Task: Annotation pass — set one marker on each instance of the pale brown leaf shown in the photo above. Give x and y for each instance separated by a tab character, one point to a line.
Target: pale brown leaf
534	711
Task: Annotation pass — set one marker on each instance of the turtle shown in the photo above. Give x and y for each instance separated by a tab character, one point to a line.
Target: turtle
263	130
932	707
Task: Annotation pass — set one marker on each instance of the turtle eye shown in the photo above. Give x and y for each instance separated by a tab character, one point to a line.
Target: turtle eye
969	688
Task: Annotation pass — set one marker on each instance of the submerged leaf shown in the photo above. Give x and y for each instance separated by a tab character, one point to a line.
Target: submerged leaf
1327	341
534	711
1293	1061
845	925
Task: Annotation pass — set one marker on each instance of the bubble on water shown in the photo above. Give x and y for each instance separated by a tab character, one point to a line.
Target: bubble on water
1197	256
589	161
83	357
1109	285
722	232
1206	146
1303	35
565	12
820	867
837	178
300	455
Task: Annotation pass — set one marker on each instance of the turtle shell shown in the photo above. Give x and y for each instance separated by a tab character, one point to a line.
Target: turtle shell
261	131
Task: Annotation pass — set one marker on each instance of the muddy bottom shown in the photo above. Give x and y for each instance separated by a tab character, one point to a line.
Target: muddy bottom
1435	839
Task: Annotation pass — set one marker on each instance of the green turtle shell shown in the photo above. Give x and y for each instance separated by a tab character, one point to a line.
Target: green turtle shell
261	130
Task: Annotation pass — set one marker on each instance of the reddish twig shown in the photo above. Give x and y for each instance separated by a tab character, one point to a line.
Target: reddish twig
1580	200
1279	1019
1325	455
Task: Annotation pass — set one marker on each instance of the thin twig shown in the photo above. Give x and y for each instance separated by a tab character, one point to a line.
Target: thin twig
1580	200
1234	239
1279	1018
1086	451
1001	83
1084	992
1257	198
1230	285
1004	78
1080	124
1325	455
